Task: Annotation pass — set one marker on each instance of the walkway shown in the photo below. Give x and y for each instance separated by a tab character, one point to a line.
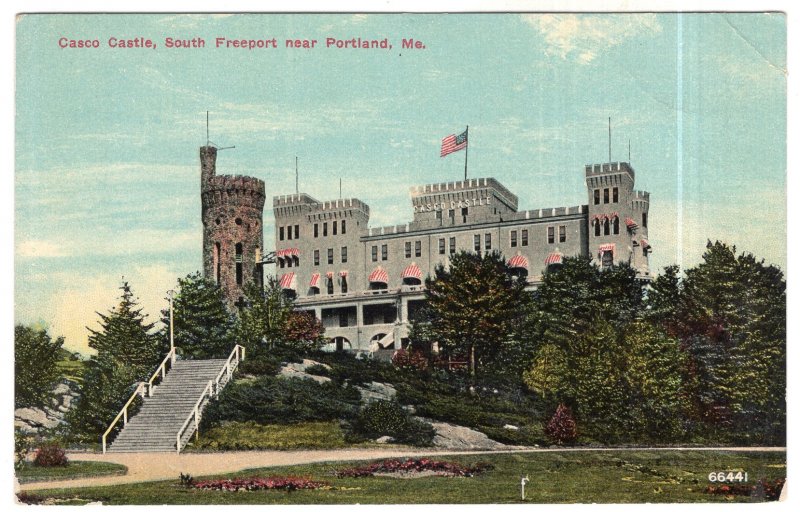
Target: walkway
143	467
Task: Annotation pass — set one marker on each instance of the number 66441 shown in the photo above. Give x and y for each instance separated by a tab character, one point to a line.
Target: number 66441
729	476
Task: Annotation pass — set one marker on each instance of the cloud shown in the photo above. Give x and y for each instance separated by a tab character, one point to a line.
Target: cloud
582	37
39	249
101	242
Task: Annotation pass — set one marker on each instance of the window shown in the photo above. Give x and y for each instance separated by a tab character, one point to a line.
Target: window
281	263
344	254
597	196
488	241
438	214
514	238
441	246
324	229
418	248
616	225
605	195
289	262
344	227
216	262
330	286
296	231
562	234
596	227
605	227
316	230
330	256
451	214
239	263
408	249
615	194
316	257
289	232
344	284
334	227
644	219
280	233
608	259
464	212
524	238
476	242
384	252
452	245
374	253
551	235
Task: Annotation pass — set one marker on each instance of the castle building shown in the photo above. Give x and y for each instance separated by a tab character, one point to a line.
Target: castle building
365	283
233	233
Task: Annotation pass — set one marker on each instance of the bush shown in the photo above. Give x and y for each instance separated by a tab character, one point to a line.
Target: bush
270	399
388	418
318	369
50	455
410	359
252	436
562	427
260	366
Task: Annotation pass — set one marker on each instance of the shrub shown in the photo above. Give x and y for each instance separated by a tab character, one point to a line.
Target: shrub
50	455
260	366
286	483
318	369
252	436
410	359
562	427
22	447
414	465
388	418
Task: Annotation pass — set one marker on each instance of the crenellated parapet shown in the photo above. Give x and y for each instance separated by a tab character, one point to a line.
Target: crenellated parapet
233	190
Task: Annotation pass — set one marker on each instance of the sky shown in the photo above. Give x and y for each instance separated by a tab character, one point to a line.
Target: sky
107	178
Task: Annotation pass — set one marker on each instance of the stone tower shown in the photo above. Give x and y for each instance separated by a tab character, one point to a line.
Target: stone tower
233	235
618	217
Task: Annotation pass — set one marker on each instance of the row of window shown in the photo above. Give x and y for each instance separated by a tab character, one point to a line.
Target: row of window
451	214
329	286
293	232
334	228
606	199
330	252
288	232
607	226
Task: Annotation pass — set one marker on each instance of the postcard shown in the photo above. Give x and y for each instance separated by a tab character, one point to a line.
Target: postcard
400	258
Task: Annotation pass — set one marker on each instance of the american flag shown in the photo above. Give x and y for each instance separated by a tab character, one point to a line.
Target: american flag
453	143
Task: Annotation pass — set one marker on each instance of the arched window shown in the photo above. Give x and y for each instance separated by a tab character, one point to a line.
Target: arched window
239	263
596	227
216	263
606	227
616	225
330	286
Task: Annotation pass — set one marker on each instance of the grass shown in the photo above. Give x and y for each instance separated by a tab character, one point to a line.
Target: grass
252	436
75	469
555	477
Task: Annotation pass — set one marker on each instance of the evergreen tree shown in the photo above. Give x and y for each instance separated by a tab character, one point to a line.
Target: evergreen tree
262	324
35	369
127	353
474	304
203	325
663	299
547	376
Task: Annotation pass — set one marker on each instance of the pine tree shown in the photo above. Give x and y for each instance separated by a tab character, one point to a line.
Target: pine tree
262	323
203	325
474	304
35	369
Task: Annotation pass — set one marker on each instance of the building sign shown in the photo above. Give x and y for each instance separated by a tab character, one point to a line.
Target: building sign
463	203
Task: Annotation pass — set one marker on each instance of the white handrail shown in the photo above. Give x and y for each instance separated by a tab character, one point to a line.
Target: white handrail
211	389
162	369
123	413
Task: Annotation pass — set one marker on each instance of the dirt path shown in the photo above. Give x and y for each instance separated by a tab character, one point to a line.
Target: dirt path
143	467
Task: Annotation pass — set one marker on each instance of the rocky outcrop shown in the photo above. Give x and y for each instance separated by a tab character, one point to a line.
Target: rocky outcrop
37	420
298	371
455	437
375	391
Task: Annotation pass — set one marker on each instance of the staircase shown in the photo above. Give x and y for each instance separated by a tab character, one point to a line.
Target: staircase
174	406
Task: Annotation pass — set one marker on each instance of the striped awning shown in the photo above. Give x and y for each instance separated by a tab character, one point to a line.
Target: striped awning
288	281
329	275
287	253
412	272
342	273
631	223
613	215
379	276
314	281
646	245
518	261
606	248
554	258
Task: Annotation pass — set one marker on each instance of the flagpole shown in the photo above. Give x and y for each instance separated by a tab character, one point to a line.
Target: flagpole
466	153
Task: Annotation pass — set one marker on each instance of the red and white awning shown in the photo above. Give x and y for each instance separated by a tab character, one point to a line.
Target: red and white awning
631	223
314	281
288	281
646	245
613	215
554	258
329	275
518	261
379	276
606	248
287	253
412	272
342	273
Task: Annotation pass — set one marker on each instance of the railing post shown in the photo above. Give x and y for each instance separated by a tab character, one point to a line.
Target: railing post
173	354
163	371
178	441
125	416
104	444
243	351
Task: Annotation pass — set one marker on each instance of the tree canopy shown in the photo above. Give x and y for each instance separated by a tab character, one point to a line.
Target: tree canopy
35	369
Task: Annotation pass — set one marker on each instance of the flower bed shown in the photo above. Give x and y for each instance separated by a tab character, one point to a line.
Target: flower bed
389	466
769	490
288	483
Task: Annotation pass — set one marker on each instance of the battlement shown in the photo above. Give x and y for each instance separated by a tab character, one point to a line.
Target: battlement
544	213
641	195
288	205
234	190
458	186
597	169
293	200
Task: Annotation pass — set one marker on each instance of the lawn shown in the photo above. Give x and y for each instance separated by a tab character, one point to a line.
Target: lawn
252	436
555	477
75	469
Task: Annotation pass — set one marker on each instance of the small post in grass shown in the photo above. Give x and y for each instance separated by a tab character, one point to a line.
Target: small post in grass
522	482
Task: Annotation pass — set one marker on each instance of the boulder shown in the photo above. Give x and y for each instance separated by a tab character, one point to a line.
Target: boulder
384	440
375	391
61	389
32	419
298	371
510	427
455	437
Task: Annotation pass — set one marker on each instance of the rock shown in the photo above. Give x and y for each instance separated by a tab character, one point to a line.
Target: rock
375	391
410	409
510	427
67	401
384	440
455	437
63	409
298	371
35	418
61	389
310	362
